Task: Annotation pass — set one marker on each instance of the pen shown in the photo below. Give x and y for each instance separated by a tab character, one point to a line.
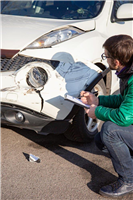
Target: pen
96	93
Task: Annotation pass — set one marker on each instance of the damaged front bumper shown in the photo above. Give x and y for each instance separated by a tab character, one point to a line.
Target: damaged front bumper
13	115
43	109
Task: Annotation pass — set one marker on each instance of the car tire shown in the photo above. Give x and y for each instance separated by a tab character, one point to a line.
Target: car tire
83	128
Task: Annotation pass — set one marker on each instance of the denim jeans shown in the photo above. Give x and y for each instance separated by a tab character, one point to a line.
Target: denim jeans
119	142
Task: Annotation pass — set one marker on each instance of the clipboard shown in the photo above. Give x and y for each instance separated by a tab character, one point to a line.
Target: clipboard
76	101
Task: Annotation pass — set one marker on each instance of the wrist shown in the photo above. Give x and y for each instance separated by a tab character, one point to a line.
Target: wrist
97	103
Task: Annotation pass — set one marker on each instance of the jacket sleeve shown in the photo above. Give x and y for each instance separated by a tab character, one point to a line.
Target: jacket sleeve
122	115
111	101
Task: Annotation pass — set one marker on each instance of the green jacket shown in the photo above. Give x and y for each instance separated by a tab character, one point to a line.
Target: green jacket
117	108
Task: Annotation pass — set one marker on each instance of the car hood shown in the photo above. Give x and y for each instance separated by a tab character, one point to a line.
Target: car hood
18	32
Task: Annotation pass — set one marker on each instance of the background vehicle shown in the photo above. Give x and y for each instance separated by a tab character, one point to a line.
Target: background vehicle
49	31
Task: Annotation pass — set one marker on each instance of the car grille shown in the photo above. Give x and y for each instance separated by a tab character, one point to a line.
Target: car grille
19	61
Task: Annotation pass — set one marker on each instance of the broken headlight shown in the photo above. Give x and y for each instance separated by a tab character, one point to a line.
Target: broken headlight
37	77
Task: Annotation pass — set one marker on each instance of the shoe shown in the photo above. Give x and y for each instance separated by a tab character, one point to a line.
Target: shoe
116	189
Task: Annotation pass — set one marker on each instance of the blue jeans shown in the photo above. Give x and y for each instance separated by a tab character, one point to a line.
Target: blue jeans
119	142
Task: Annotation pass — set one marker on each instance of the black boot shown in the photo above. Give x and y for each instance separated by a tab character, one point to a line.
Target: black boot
116	189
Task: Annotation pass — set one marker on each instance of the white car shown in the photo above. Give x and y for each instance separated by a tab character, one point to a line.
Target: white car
56	48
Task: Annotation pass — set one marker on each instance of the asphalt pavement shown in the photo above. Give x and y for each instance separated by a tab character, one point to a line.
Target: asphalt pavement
67	170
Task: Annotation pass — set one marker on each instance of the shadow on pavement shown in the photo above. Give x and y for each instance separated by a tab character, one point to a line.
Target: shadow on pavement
55	143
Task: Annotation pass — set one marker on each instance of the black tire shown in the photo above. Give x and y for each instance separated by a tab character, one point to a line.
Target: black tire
83	128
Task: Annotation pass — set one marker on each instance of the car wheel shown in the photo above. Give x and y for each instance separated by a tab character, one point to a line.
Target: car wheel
83	128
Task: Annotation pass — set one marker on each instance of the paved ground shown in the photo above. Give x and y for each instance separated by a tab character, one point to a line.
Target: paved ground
67	171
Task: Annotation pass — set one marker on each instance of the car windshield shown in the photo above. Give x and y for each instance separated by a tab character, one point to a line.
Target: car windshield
66	10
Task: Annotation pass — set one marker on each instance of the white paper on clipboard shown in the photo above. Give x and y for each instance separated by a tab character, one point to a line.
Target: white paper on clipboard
76	101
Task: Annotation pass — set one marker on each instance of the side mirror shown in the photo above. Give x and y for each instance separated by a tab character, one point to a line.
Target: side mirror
125	12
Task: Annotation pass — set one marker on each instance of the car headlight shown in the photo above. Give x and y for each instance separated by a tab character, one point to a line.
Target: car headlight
37	77
55	37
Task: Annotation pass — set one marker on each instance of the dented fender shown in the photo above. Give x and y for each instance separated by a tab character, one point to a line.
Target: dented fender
70	78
